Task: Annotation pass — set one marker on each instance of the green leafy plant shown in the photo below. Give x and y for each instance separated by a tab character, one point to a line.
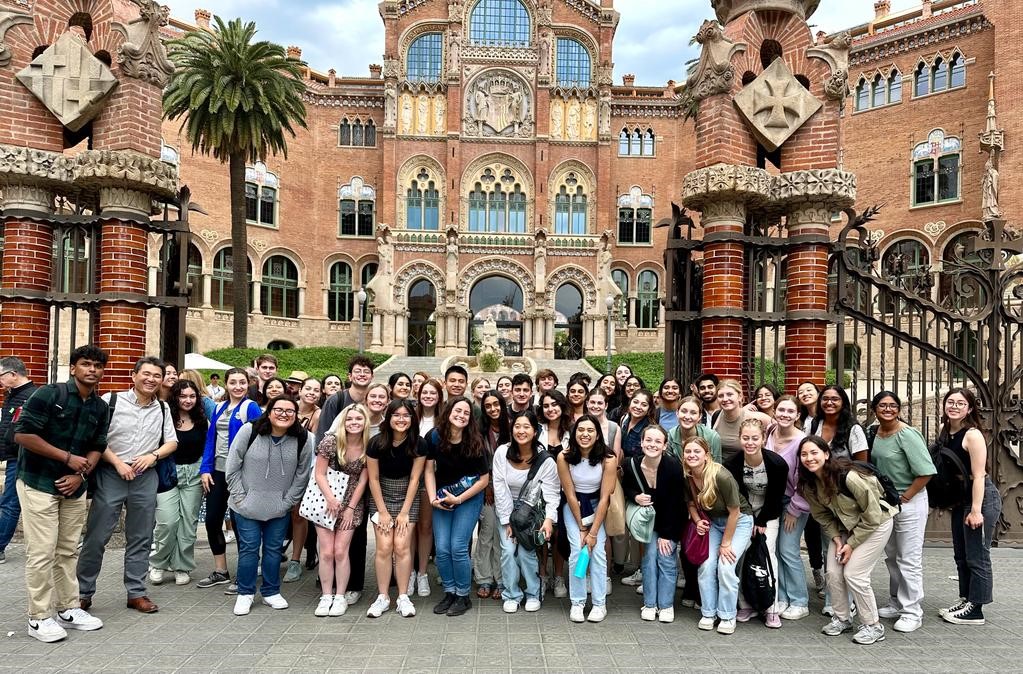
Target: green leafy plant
317	361
490	362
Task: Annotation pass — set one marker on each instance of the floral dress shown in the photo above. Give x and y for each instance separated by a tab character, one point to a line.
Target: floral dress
328	450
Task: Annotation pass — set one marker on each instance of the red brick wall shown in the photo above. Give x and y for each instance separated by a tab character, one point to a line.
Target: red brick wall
25	325
121	328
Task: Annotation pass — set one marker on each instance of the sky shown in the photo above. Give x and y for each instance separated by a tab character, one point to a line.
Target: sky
652	40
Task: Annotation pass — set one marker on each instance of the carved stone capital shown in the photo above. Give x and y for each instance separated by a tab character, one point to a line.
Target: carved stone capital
724	212
25	165
26	197
142	55
808	216
125	200
725	182
391	68
715	72
117	168
834	187
8	20
727	10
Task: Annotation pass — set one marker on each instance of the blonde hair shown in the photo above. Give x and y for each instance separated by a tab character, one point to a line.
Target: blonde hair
735	386
194	377
708	495
341	436
752	421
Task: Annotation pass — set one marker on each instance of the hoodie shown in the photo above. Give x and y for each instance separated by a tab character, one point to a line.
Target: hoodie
265	479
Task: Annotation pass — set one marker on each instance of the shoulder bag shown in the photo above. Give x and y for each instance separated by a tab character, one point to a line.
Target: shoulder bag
530	509
314	504
640	519
695	545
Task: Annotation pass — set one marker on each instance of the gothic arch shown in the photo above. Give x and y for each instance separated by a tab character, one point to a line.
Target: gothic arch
419	29
952	231
497	162
499	266
411	273
407	173
584	174
578	276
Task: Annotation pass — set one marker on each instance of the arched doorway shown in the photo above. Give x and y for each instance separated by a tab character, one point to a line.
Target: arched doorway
422	321
568	323
500	298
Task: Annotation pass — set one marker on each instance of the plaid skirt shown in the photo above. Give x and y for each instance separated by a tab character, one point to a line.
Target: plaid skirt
394	492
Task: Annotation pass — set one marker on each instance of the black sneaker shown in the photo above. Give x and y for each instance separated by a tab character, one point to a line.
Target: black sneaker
444	604
215	578
461	605
968	614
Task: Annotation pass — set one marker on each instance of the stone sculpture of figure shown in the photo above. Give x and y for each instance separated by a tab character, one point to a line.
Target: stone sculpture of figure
605	283
590	120
604	125
540	261
572	126
454	48
423	115
990	188
439	108
482	101
451	270
390	104
545	54
406	114
557	119
489	338
380	285
516	107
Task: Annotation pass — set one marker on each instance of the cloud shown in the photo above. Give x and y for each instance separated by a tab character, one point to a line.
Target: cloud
652	41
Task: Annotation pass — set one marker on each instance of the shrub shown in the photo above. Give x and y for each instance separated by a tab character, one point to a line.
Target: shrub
317	361
490	362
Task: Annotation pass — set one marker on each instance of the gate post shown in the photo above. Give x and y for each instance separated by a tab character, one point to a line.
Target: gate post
724	271
806	301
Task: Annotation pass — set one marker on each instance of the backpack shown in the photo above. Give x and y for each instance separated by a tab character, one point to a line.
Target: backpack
889	494
530	509
758	580
952	484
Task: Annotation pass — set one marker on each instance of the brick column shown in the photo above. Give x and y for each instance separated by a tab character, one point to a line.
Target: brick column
723	275
121	328
27	267
807	296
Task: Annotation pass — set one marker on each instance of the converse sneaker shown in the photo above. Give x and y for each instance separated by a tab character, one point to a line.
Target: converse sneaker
77	619
967	614
707	623
377	608
215	578
405	607
869	634
889	612
423	585
666	615
726	626
635	579
836	626
276	602
597	614
338	607
243	604
575	614
560	591
46	630
532	604
648	613
182	578
155	576
510	606
323	607
954	607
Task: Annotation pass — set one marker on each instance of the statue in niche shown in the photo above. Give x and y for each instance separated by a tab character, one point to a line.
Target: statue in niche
454	48
423	115
380	285
557	119
989	188
540	261
572	126
604	125
545	53
590	120
605	283
451	262
516	109
439	109
482	101
390	104
406	114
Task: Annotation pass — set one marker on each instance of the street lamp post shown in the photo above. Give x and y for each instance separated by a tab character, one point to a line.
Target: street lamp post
360	299
610	302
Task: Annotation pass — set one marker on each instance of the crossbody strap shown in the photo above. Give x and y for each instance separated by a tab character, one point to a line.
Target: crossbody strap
540	459
632	464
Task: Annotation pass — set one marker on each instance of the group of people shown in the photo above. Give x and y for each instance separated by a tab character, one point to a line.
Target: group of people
510	483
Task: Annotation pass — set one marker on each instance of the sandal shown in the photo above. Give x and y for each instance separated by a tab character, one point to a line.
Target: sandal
484	591
496	594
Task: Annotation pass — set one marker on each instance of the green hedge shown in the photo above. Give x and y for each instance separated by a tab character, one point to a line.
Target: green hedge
317	361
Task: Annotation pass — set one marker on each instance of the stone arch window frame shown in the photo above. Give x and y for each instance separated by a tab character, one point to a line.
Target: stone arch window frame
339	300
75	245
575	275
409	274
942	72
924	260
262	186
939	146
357	192
420	33
635	200
622	310
637	141
576	56
586	180
265	289
349	127
648	302
219	299
946	265
483	267
886	82
501	15
409	172
497	163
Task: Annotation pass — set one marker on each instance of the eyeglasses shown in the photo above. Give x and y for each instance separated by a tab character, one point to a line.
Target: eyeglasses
957	404
829	399
402	417
888	406
5	372
283	413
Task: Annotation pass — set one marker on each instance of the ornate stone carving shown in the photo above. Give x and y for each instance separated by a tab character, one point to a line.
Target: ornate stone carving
259	245
540	260
544	47
210	235
776	105
606	284
604	125
125	200
391	68
837	188
725	182
412	272
384	278
8	20
454	49
390	105
22	197
989	189
728	10
605	75
498	104
91	169
72	83
835	52
810	215
935	228
577	276
746	184
715	72
455	11
142	55
495	265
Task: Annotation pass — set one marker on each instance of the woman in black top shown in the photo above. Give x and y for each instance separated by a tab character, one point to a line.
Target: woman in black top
177	510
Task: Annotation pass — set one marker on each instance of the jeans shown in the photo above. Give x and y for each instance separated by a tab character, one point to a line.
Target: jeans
597	568
253	534
452	535
659	575
791	573
10	507
904	557
972	547
719	581
516	561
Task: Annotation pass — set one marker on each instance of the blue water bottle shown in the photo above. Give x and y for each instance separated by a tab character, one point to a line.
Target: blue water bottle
583	563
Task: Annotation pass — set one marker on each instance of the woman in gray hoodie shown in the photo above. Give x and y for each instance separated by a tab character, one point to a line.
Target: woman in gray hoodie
267	471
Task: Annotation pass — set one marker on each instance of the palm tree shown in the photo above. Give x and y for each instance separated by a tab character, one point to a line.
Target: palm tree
237	98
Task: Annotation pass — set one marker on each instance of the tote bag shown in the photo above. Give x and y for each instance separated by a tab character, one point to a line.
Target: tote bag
314	504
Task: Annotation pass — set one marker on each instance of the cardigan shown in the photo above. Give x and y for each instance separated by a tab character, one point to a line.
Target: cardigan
668	498
777	478
209	455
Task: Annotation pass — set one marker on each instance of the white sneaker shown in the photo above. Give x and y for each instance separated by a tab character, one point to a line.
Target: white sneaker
726	626
532	605
666	615
510	606
795	613
597	614
423	585
323	607
377	608
635	579
338	607
276	602
907	623
706	623
639	589
156	576
243	604
229	536
889	612
560	591
575	614
648	613
77	619
411	589
352	597
405	607
46	630
182	578
828	610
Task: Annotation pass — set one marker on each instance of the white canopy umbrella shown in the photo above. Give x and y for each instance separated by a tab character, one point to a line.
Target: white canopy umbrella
197	361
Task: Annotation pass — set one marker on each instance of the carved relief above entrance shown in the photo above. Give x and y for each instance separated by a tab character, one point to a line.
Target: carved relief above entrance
499	104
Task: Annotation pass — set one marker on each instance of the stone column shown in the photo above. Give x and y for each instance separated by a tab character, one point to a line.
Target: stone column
207	291
27	268
122	270
806	298
723	275
255	305
377	342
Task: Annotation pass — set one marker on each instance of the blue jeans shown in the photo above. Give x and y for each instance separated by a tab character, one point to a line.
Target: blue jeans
972	547
516	561
10	507
719	582
452	535
598	564
791	573
253	534
659	575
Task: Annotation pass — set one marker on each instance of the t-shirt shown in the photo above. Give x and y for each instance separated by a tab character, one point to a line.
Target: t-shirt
755	479
452	465
668	419
728	496
395	462
902	457
848	447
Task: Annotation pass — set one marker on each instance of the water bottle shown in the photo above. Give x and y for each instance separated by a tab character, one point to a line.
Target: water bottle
583	563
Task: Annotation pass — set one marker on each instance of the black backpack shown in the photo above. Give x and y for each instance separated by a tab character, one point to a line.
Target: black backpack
952	485
530	510
758	580
889	494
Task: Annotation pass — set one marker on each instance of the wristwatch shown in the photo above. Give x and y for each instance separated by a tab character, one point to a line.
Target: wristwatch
156	454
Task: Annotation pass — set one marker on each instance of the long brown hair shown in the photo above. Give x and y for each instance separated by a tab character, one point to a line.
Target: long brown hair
708	495
831	473
472	439
971	420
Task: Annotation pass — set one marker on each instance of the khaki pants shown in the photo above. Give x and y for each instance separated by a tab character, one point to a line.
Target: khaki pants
854	577
52	527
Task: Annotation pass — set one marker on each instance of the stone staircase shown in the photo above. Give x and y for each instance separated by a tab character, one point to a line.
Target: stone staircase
563	368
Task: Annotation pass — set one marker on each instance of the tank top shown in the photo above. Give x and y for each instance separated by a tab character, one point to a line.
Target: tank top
955	443
729	432
585	477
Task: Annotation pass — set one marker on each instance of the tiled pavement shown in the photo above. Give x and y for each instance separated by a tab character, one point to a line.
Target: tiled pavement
195	631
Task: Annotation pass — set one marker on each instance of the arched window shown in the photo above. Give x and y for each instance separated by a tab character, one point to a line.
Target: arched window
570	207
497	204
957	71
921	80
647	302
194	278
862	95
895	87
623	143
648	143
573	63
939	75
356	209
936	165
960	251
222	293
345	132
903	265
261	195
279	290
369	138
635	212
878	91
340	295
621	279
425	58
353	133
636	143
76	249
499	23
